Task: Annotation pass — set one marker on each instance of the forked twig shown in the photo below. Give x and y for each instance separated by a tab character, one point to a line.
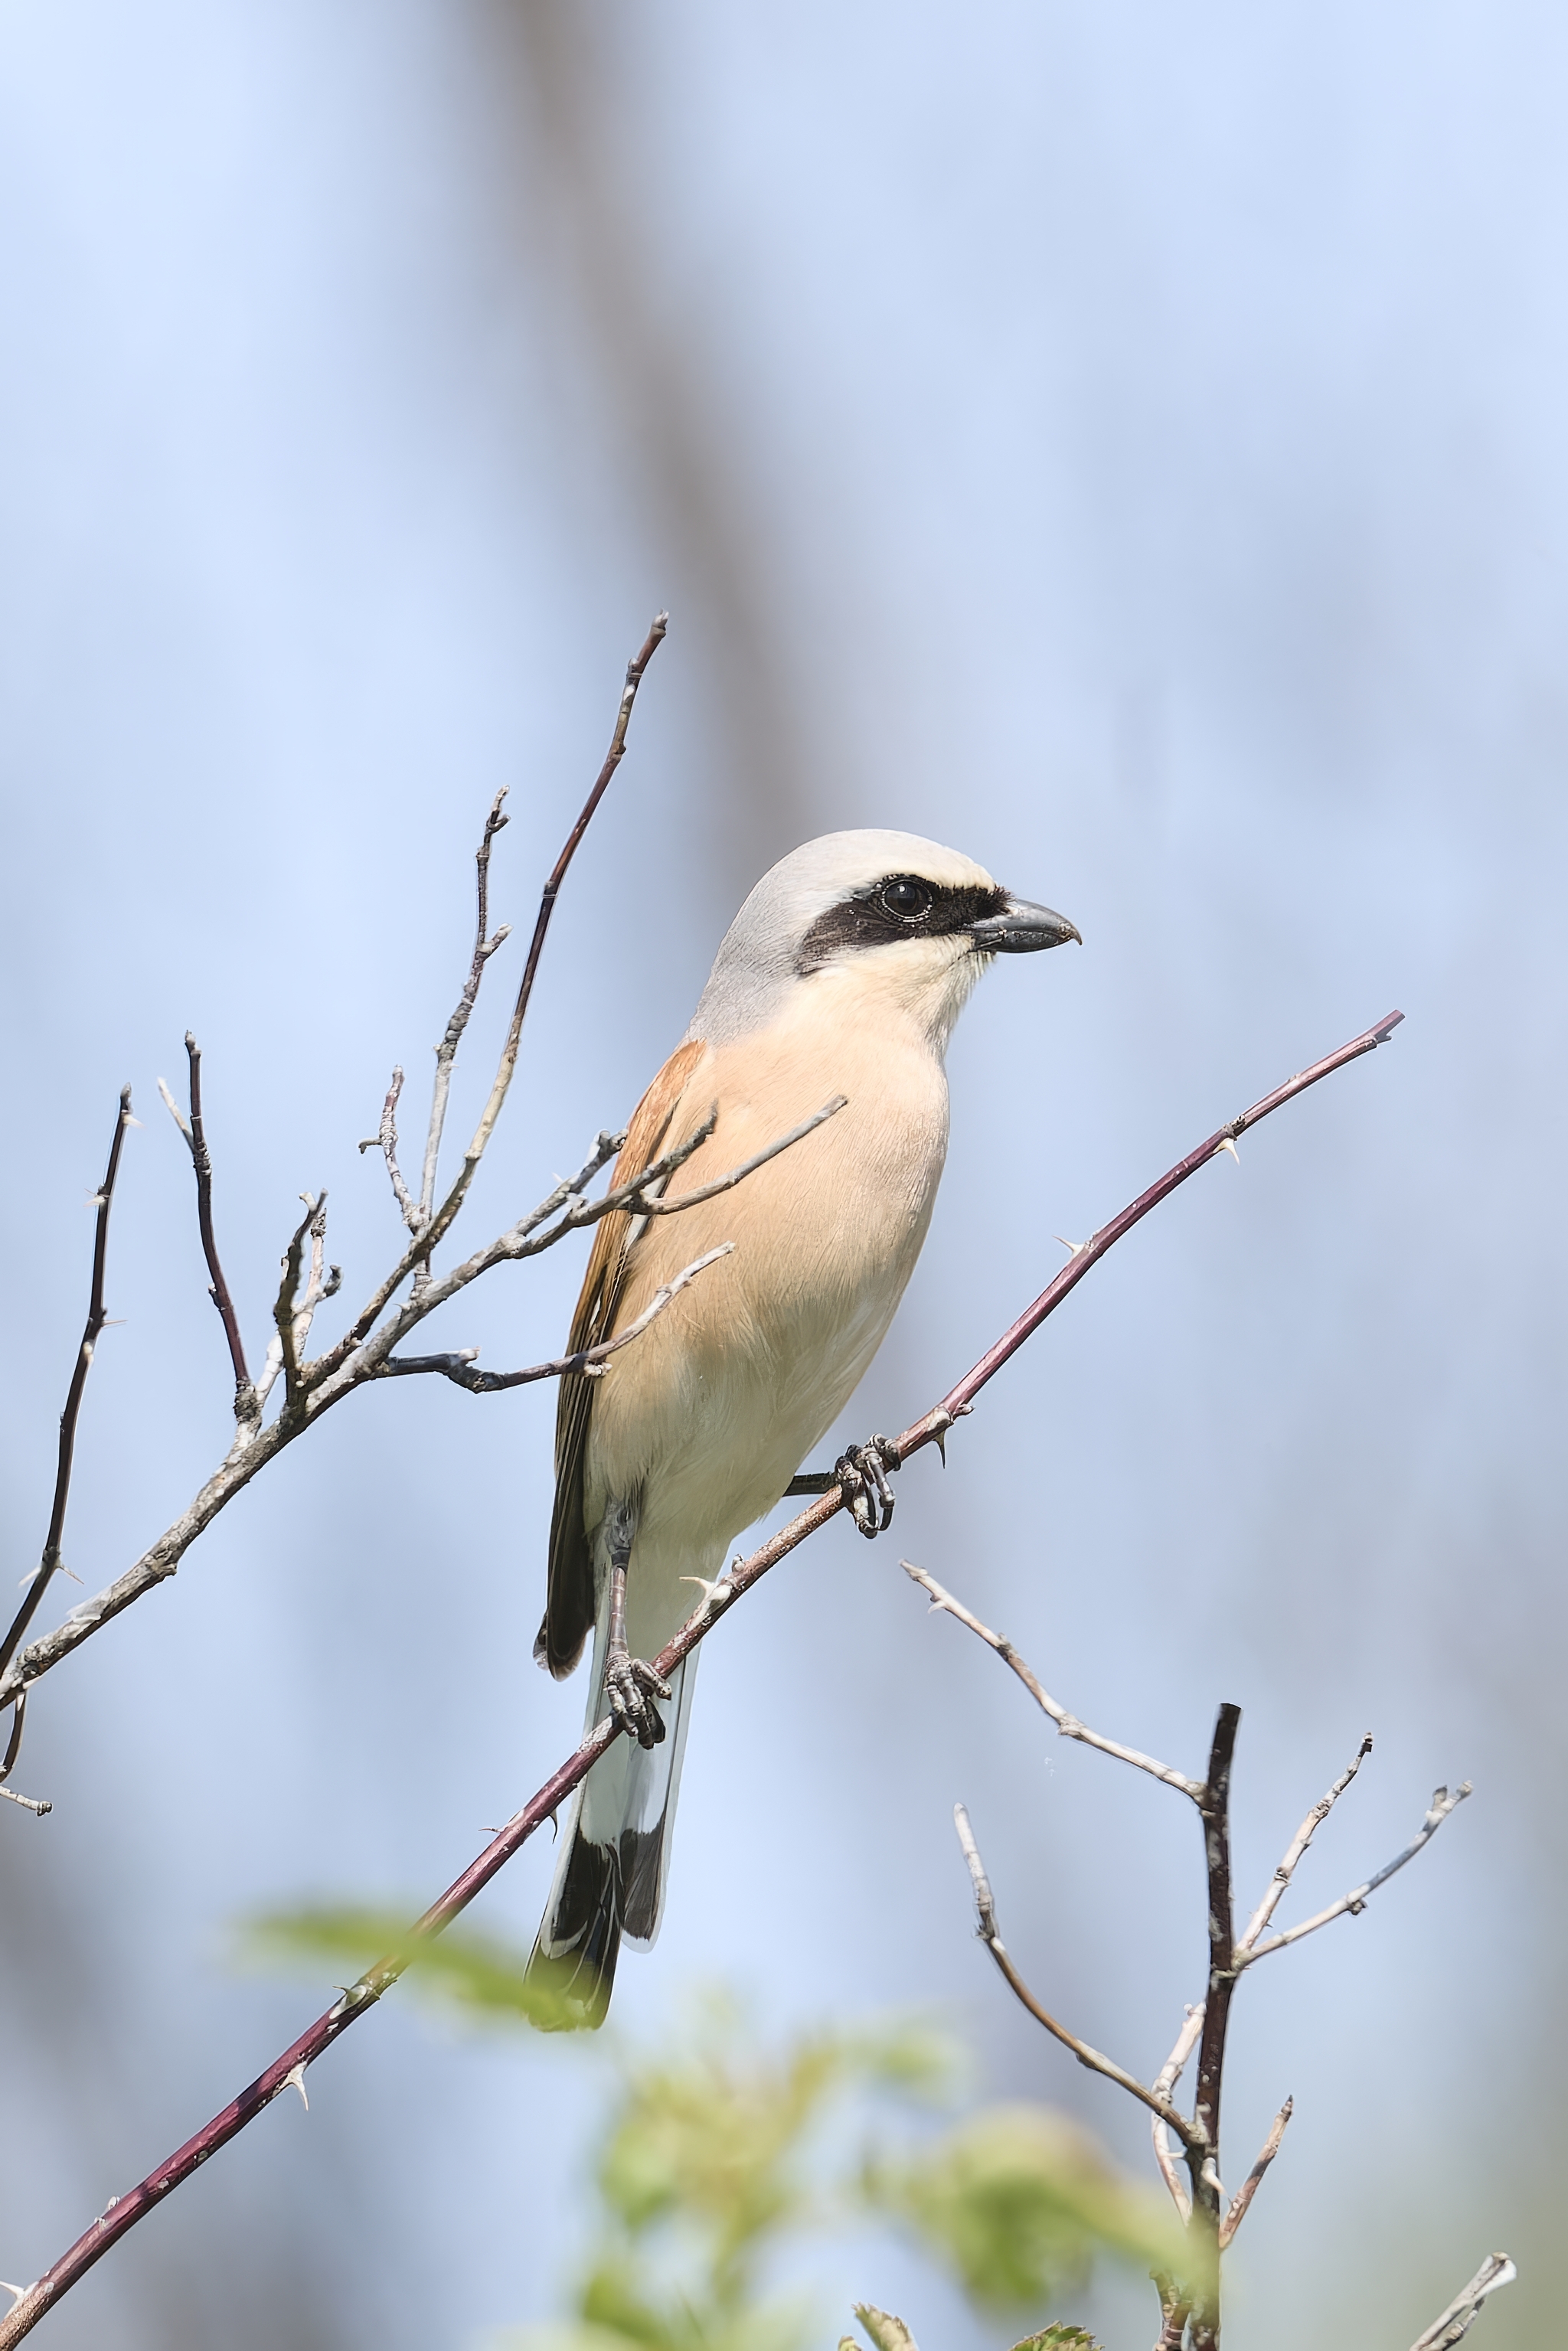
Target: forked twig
1296	1848
1351	1904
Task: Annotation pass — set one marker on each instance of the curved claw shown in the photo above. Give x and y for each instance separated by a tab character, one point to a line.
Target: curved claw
630	1683
862	1473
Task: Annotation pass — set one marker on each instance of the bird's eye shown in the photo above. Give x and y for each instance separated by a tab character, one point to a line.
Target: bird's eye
906	898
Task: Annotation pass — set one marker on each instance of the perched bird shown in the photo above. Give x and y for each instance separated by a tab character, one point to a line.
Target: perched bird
841	974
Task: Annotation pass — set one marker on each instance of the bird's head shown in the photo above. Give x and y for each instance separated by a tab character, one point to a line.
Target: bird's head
884	920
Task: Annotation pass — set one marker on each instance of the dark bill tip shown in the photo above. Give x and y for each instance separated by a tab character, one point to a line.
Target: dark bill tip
1022	928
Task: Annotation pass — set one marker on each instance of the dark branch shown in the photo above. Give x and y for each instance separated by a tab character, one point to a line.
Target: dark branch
635	669
195	1137
97	1315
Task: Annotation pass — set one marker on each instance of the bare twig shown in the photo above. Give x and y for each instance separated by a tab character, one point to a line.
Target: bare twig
195	1137
1097	2063
1248	2187
1067	1724
648	1204
1443	1801
289	1307
97	1315
1296	1847
462	1368
1497	2269
1166	2080
384	1140
437	1224
485	947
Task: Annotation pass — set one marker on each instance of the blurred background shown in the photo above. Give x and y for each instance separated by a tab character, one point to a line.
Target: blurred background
1124	442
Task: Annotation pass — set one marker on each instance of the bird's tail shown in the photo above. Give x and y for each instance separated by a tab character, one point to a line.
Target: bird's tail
611	1878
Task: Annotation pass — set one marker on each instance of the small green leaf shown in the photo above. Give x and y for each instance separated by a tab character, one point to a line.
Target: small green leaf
1059	2338
888	2333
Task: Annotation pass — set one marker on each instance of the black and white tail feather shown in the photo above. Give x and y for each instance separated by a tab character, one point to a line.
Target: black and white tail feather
613	1868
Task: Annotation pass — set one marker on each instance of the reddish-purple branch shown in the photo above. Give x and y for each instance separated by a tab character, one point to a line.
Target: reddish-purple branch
124	2213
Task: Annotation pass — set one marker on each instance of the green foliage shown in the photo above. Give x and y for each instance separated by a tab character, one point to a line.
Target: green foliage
476	1974
1018	2200
717	2149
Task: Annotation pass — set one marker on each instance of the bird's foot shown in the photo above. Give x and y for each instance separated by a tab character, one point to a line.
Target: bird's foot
631	1684
862	1475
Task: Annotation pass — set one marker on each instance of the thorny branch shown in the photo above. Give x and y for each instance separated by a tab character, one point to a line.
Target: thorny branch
717	1599
1190	2306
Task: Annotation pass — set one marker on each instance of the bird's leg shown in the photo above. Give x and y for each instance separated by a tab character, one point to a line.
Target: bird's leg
862	1478
630	1683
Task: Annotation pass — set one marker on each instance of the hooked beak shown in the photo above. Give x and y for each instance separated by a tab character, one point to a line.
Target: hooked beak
1021	928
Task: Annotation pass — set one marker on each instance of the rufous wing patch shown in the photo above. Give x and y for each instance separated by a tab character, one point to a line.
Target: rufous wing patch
569	1604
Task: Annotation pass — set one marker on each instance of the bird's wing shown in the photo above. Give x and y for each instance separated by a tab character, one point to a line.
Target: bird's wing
569	1604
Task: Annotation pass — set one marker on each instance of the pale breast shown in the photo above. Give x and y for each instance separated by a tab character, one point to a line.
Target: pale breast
707	1416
